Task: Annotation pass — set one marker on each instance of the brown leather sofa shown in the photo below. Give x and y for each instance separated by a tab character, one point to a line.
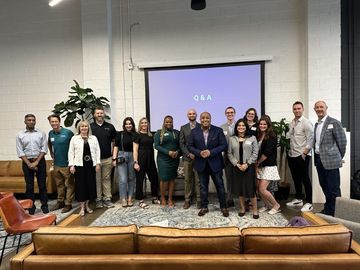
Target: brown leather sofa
12	177
326	246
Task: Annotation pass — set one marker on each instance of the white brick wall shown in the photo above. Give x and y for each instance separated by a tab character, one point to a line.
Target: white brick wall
43	49
40	55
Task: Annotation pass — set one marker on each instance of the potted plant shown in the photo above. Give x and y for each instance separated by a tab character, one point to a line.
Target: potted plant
281	129
80	105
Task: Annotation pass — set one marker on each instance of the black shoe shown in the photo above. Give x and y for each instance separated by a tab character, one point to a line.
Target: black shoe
225	212
325	212
241	214
45	209
32	210
230	203
256	216
203	211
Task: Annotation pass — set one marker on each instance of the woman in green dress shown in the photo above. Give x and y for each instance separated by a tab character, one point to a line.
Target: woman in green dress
166	141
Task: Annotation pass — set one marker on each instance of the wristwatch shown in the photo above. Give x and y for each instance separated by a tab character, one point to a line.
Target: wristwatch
135	162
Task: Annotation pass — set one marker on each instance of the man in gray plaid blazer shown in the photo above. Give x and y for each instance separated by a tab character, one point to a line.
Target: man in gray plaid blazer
330	146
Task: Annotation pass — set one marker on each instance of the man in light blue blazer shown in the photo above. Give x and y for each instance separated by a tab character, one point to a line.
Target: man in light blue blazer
207	143
330	145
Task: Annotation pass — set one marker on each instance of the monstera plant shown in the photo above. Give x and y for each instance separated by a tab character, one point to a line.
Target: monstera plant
80	105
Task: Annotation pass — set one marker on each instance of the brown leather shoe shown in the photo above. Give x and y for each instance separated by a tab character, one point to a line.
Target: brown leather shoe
66	209
58	206
186	205
203	211
225	212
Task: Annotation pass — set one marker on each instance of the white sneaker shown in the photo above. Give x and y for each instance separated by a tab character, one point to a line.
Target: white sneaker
295	202
307	207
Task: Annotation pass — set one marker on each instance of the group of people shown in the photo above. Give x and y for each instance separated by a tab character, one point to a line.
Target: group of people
245	149
82	163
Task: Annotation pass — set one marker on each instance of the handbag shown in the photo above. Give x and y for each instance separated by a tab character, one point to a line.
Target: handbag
121	158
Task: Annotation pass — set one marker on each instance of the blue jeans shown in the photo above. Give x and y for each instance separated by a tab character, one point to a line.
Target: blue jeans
204	187
126	176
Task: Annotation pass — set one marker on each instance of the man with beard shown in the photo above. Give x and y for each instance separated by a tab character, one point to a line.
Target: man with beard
301	136
192	184
105	133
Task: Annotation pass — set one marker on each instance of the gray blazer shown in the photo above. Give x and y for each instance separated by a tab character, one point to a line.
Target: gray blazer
250	150
185	131
332	144
227	132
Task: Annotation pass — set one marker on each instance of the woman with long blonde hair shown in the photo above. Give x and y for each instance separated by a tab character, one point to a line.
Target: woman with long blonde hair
144	163
84	162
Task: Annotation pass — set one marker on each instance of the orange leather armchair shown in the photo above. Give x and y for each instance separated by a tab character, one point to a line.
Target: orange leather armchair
26	204
16	221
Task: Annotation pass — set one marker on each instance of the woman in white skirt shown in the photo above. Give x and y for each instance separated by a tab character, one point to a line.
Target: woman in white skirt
266	164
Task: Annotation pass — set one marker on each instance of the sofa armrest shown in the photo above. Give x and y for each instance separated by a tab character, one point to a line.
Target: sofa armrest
354	226
348	209
313	219
317	220
16	262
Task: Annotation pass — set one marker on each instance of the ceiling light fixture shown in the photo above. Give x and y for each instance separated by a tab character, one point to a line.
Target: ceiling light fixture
54	2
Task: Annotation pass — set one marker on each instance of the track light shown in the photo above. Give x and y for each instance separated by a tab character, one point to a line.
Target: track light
198	4
54	2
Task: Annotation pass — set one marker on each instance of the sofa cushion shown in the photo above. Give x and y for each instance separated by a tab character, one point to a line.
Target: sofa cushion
15	168
54	240
330	238
4	165
160	240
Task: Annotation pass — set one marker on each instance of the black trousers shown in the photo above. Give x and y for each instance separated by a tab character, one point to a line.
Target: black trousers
40	174
151	172
300	173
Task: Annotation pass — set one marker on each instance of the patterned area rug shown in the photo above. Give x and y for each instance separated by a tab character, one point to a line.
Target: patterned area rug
181	218
12	241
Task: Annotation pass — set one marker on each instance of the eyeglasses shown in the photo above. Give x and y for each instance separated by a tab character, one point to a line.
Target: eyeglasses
230	112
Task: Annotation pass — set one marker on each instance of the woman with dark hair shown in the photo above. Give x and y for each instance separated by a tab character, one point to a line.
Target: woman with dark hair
123	160
144	163
266	164
242	153
251	120
167	143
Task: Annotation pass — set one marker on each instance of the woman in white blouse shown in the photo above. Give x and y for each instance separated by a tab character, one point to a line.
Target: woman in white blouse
84	162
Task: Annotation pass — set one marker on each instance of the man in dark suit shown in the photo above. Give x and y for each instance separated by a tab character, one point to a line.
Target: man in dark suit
192	184
207	143
330	146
